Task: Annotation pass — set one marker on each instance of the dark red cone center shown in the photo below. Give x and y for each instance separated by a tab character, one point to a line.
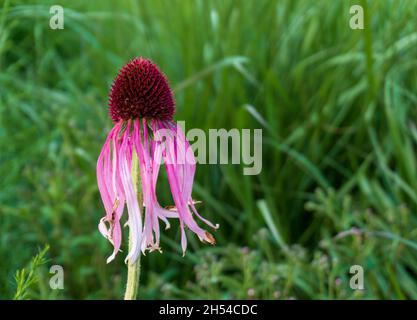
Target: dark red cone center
140	90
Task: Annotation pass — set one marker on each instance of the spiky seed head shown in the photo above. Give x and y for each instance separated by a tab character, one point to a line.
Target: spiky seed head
141	90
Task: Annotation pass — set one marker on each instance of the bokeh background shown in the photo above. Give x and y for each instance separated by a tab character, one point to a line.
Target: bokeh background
338	111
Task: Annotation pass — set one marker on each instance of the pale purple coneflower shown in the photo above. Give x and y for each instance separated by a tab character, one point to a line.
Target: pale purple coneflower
142	106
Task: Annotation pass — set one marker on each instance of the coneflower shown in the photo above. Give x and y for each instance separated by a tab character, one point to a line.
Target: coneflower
142	106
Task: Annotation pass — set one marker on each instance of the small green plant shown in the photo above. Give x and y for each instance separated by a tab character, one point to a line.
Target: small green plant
27	277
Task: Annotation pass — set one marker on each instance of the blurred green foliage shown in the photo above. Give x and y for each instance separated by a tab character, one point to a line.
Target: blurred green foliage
338	111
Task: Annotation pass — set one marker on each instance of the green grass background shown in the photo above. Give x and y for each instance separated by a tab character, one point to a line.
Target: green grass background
338	111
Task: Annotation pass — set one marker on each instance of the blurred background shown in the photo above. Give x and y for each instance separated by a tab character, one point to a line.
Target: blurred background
338	111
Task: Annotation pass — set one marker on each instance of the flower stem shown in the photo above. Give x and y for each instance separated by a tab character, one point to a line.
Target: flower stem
133	268
133	274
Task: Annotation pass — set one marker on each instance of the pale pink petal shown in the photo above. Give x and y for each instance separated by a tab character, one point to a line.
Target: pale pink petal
135	219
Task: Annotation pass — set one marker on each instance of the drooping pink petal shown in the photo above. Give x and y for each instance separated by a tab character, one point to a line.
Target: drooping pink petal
143	150
180	171
112	196
114	176
135	219
189	163
101	173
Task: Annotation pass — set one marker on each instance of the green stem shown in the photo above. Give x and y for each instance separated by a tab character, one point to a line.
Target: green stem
133	275
133	267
